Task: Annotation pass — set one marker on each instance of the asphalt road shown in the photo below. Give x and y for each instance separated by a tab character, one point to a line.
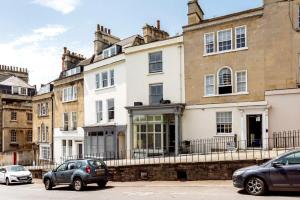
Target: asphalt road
206	190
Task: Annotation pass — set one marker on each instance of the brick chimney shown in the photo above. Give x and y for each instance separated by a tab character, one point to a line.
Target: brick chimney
70	59
103	39
195	13
152	34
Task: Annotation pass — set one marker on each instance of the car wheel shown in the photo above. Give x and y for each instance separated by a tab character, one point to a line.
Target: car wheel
7	182
255	186
48	184
77	184
102	184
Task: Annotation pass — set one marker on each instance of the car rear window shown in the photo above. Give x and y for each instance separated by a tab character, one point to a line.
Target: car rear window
96	163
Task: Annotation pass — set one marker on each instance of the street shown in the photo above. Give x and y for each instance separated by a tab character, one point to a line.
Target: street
206	190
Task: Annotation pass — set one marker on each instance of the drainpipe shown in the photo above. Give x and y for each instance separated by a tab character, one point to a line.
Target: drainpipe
180	74
52	124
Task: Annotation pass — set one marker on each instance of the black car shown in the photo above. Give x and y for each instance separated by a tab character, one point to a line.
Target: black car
279	174
77	173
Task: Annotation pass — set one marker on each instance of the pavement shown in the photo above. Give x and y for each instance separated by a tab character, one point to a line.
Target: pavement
198	190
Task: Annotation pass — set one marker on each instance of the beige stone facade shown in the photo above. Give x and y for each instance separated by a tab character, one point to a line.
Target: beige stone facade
17	131
43	114
267	60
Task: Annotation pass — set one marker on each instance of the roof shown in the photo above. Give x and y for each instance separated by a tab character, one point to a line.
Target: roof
127	42
226	16
15	81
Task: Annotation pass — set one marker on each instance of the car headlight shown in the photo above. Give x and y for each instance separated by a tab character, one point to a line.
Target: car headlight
238	172
30	175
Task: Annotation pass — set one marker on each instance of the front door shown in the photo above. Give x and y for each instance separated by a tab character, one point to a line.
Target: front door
172	138
254	130
79	151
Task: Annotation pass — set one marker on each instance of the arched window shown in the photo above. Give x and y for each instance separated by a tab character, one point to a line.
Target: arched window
225	81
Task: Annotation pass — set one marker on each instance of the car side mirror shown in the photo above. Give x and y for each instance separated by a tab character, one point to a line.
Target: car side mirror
277	164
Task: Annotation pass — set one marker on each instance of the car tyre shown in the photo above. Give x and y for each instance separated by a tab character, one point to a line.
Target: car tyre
48	184
77	184
102	184
255	186
7	183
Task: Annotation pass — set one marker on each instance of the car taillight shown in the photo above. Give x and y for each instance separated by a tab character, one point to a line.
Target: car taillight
88	169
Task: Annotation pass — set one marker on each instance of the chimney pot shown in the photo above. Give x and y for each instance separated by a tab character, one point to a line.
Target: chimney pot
102	28
158	24
98	27
105	30
109	31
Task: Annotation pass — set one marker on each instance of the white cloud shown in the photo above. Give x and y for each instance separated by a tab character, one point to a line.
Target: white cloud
40	34
63	6
43	62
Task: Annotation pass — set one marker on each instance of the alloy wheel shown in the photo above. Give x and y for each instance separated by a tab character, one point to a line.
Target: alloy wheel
77	184
255	186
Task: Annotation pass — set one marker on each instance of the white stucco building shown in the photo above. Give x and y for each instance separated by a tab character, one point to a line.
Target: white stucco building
155	96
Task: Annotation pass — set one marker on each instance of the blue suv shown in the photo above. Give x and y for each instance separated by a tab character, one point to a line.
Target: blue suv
77	173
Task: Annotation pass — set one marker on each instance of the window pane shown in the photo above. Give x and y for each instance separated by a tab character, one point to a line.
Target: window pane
156	94
104	79
241	37
225	39
209	84
155	62
209	43
111	109
224	122
241	82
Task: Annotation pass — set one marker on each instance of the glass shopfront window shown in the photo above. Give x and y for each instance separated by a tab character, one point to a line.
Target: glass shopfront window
149	132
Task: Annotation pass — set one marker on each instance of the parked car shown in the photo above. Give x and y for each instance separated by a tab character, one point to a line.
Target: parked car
78	173
15	174
279	174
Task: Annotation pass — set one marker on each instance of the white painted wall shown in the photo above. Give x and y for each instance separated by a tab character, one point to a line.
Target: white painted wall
200	121
77	136
172	77
117	92
284	113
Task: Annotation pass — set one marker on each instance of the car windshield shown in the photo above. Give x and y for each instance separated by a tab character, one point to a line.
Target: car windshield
16	169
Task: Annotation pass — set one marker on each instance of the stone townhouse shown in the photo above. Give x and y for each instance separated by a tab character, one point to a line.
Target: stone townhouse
15	112
68	134
43	121
235	65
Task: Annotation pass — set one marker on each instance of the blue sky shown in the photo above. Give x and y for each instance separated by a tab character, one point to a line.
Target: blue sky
34	32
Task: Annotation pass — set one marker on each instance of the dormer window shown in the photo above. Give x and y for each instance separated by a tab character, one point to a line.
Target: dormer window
19	90
111	51
73	71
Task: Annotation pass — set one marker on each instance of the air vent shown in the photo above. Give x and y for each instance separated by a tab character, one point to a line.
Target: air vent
138	103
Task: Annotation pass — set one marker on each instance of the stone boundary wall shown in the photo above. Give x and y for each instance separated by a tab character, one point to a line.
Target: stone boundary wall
174	172
180	172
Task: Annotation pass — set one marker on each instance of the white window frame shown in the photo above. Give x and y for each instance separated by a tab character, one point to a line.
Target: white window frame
246	37
231	33
214	80
218	81
69	94
108	109
73	122
98	82
214	41
236	81
65	122
45	153
111	78
26	91
29	136
99	112
13	136
224	133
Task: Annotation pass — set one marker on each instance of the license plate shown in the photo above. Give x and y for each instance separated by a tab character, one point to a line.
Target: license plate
24	178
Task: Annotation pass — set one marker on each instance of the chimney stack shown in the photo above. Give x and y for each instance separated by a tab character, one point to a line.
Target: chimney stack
103	39
70	59
195	13
152	34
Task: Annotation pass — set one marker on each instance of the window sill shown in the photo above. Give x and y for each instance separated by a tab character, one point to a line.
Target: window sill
105	88
43	116
13	120
70	101
225	95
222	52
155	73
224	135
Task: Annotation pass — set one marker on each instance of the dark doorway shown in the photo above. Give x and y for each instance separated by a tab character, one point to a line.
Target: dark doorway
254	130
79	151
172	139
